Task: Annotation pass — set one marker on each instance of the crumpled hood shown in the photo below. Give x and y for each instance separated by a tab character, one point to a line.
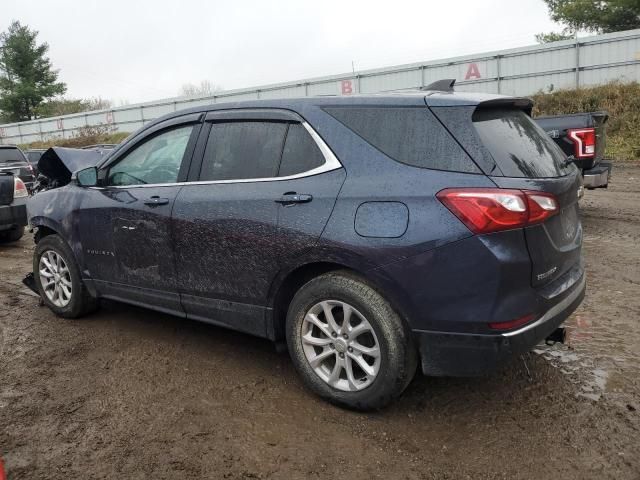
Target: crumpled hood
58	163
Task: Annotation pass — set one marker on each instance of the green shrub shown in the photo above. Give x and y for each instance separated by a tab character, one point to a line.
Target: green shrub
620	100
83	137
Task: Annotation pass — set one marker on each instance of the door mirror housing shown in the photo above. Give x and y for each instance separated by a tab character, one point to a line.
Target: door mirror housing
87	177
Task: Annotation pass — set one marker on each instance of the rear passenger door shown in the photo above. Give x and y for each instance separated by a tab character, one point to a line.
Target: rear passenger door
237	219
310	179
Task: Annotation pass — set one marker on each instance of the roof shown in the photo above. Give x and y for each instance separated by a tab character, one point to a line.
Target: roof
404	98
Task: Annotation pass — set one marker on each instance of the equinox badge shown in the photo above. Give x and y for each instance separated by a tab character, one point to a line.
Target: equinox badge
546	274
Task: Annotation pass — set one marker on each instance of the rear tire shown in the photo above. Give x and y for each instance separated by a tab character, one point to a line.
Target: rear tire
12	235
363	365
58	280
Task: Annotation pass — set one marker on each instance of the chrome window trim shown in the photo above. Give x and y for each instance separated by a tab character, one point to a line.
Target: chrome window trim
331	163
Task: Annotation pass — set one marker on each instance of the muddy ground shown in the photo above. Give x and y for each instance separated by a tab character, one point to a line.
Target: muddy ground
132	394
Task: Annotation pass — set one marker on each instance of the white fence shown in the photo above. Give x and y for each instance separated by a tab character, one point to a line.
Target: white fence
521	71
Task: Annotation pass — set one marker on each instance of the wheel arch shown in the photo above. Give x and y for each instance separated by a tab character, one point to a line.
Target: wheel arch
283	290
43	231
45	227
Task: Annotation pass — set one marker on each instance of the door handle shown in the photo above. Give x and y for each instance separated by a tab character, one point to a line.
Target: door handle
289	198
156	200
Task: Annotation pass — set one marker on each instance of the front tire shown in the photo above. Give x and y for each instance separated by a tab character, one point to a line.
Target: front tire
347	342
58	279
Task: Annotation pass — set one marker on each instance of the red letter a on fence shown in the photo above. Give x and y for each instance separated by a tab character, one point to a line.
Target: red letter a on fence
472	72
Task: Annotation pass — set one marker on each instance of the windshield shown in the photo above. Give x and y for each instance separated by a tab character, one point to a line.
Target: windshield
10	155
519	147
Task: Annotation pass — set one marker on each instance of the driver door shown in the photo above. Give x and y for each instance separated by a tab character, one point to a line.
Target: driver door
130	249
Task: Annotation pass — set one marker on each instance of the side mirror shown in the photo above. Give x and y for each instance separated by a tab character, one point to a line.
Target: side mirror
87	177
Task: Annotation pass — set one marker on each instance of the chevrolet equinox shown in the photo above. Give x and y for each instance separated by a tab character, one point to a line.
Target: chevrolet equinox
372	234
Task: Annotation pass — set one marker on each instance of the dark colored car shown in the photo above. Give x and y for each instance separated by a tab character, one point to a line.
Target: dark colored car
582	137
33	156
372	233
12	160
13	207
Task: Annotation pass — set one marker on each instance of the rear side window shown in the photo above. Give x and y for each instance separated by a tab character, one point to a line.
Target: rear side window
33	157
519	147
300	153
410	135
242	150
8	155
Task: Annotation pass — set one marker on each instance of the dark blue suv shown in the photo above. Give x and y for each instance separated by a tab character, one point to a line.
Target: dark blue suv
372	233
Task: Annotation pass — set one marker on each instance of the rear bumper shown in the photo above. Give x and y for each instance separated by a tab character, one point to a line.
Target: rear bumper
464	354
598	176
14	214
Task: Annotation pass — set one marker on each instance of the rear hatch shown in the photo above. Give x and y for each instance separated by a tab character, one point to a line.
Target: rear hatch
516	153
13	161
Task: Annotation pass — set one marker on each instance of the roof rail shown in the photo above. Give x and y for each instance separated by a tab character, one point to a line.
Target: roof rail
445	85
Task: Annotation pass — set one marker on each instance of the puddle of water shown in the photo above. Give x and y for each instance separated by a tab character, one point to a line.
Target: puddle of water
596	350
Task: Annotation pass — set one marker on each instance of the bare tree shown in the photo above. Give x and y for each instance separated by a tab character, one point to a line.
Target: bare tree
204	89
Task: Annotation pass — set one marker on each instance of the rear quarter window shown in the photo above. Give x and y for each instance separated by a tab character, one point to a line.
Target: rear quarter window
410	135
300	153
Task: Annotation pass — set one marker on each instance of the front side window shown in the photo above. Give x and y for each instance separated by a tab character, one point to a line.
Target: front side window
243	150
155	161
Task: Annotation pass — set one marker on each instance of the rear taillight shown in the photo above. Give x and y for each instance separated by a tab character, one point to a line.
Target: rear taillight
511	324
584	141
19	188
541	206
486	210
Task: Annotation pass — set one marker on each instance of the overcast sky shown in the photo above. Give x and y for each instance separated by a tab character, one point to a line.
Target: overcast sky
139	50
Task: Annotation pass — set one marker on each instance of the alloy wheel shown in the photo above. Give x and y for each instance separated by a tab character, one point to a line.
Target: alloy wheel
55	278
340	345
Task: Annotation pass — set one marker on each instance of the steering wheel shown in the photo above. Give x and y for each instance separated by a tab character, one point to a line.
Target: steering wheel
163	174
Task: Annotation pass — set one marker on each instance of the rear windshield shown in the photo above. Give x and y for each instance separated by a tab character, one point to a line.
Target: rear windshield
519	147
410	135
8	155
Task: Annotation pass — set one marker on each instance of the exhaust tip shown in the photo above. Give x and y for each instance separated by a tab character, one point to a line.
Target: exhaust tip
559	335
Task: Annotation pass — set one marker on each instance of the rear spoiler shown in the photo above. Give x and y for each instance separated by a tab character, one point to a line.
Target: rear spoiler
521	103
479	100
